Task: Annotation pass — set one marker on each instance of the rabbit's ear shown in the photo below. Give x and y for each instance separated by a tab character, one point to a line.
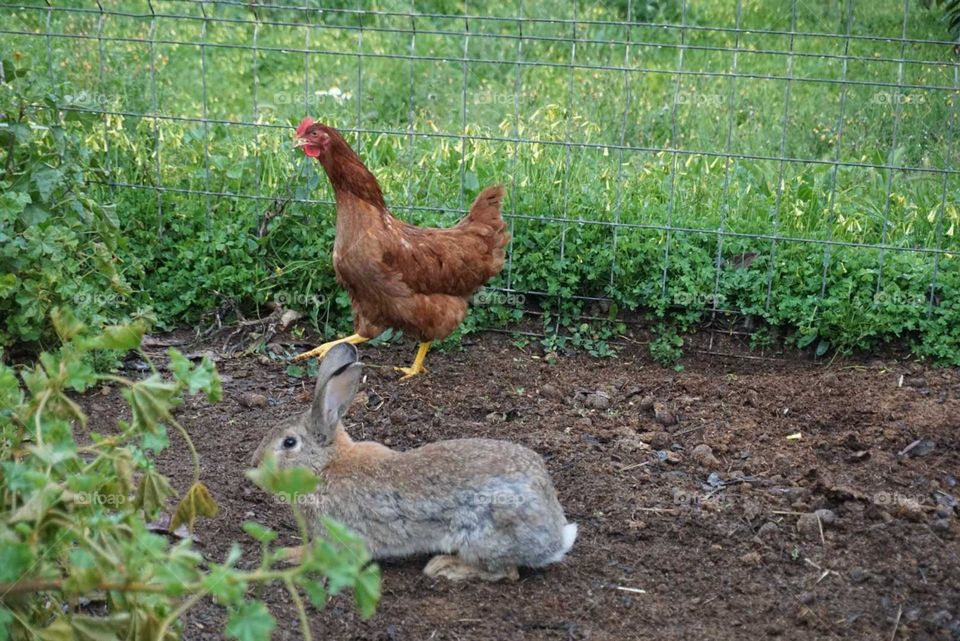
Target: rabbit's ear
337	383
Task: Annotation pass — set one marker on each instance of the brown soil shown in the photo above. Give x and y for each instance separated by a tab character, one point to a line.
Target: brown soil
717	558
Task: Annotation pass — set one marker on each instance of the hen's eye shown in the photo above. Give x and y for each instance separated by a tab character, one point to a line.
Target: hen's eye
289	443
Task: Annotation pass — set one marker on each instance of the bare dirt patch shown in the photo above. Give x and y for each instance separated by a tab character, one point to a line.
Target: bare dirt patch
684	485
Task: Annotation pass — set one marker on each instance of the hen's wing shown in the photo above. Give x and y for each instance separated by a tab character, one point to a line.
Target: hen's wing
455	261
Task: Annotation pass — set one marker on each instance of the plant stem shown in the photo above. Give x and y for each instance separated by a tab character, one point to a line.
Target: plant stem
301	611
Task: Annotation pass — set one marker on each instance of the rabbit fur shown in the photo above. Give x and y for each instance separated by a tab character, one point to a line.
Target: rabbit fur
484	506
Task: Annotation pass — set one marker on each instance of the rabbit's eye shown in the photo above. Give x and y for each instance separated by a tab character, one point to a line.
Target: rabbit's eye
289	443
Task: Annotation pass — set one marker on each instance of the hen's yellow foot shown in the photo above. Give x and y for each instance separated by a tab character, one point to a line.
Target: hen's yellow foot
321	351
417	368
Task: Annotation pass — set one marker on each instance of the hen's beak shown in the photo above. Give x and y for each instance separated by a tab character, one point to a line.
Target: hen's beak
299	142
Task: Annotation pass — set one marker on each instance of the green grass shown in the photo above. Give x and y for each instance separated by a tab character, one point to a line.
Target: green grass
187	255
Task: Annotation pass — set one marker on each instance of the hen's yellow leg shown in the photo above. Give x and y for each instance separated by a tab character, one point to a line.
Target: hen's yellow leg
319	352
417	367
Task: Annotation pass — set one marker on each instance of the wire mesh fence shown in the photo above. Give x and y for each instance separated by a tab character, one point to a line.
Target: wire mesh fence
708	155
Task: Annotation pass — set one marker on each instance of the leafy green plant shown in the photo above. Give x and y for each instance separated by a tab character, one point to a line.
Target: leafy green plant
75	508
58	244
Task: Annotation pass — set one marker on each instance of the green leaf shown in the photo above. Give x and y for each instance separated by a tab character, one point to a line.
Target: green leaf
251	622
153	492
259	532
6	623
66	323
121	337
315	592
8	284
202	377
366	590
46	180
59	630
292	483
15	560
100	628
196	503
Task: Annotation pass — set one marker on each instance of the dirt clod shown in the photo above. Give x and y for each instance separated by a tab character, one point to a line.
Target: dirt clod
663	415
597	400
252	400
703	456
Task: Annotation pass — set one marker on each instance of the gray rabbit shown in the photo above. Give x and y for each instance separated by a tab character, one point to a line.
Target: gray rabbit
484	507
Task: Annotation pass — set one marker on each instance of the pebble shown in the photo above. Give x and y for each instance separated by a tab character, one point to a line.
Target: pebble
769	531
941	618
703	455
859	575
941	525
827	517
583	423
829	379
646	403
808	526
660	440
663	415
917	382
551	391
597	400
751	558
252	400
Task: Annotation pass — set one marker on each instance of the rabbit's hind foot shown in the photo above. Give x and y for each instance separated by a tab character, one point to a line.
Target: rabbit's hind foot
454	568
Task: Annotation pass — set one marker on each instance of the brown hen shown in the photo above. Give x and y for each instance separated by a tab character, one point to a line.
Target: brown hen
416	279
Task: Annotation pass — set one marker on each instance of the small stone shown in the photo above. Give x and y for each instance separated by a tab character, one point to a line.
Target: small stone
631	443
827	517
263	359
663	415
597	400
769	531
496	417
918	448
551	391
703	455
941	525
660	441
830	379
944	512
941	618
583	423
809	526
859	575
807	598
591	439
751	558
668	456
752	398
252	400
917	382
646	403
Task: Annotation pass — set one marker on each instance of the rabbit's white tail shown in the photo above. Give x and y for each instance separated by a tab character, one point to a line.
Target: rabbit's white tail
567	537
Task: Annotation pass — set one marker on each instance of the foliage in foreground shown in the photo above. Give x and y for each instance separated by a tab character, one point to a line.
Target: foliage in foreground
80	554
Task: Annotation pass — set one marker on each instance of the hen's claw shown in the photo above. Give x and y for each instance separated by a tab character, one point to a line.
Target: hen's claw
321	351
417	368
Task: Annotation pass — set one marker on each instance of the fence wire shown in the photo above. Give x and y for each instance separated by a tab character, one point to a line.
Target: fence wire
500	70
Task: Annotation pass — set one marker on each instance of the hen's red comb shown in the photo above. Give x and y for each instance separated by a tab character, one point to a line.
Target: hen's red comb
304	125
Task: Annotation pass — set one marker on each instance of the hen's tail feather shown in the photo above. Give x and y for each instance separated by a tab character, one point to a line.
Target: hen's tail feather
485	212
